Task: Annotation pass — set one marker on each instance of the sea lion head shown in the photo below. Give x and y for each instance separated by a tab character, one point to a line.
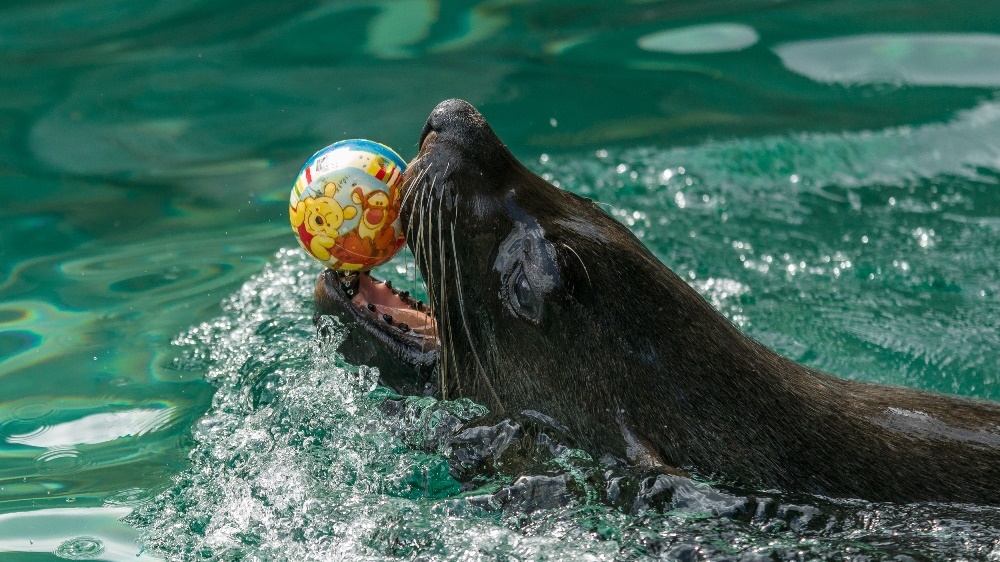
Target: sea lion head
538	299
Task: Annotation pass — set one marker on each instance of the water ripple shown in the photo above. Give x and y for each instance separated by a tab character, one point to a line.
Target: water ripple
81	548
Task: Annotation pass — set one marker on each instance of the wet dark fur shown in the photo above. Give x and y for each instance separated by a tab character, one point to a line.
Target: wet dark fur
581	322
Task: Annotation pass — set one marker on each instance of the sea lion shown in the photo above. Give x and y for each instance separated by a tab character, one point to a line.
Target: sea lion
541	302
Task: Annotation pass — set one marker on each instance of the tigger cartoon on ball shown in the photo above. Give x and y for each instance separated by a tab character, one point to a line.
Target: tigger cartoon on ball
344	206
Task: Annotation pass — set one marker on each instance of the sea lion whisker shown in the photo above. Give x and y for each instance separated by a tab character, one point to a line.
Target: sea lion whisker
451	337
411	193
448	346
436	299
414	185
450	351
419	254
443	297
468	333
419	247
419	194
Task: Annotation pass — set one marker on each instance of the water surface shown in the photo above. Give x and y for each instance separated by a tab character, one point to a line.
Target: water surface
824	173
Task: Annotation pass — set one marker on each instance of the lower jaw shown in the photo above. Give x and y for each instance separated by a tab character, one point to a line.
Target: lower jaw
386	313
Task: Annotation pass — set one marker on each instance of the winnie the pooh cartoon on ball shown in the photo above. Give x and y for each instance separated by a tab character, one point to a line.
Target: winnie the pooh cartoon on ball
344	206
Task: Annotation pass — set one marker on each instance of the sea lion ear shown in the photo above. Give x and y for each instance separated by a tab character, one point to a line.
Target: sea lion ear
528	265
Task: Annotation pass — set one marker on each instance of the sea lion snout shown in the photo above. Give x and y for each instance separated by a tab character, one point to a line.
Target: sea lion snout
460	158
461	124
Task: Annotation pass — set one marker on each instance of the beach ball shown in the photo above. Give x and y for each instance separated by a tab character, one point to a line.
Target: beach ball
344	205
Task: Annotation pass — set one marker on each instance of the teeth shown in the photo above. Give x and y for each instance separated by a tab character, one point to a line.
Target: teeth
350	283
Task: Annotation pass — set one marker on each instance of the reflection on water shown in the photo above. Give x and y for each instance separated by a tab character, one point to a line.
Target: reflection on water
34	331
698	39
93	533
96	428
915	59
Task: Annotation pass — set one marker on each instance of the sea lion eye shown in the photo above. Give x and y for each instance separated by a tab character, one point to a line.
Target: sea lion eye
522	296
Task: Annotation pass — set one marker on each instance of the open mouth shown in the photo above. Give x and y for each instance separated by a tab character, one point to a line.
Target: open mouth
403	329
390	315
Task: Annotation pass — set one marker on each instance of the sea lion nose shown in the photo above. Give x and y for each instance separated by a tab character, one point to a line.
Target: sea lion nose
455	117
440	117
450	112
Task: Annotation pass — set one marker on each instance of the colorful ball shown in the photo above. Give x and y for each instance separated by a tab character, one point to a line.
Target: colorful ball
345	204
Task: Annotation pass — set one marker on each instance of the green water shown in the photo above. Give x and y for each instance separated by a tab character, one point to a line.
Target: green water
825	173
